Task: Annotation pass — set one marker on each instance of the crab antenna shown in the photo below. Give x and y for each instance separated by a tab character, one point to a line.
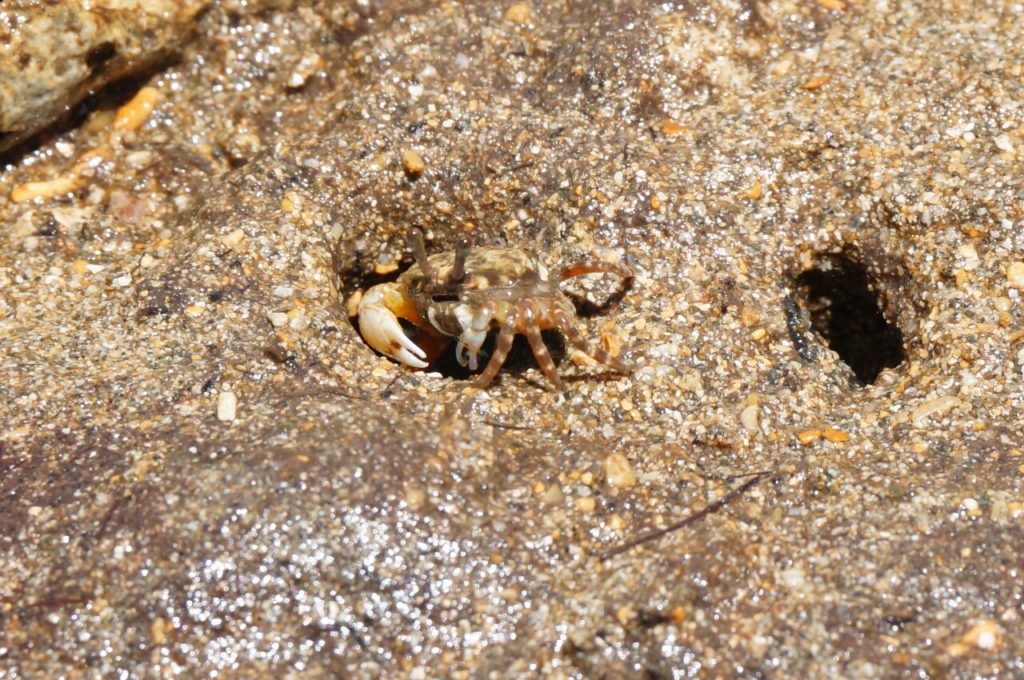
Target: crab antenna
419	251
458	270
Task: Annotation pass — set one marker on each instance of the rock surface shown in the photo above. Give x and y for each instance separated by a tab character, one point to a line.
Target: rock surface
52	54
205	469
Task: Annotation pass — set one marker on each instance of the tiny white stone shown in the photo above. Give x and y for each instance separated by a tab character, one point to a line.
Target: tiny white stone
618	472
1004	143
969	256
234	238
1015	274
227	406
986	639
277	319
283	291
794	578
750	419
121	281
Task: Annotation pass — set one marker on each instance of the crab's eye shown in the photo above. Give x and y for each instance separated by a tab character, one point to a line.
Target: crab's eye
444	297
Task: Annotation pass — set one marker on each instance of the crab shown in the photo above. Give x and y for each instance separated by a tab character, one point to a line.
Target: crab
467	293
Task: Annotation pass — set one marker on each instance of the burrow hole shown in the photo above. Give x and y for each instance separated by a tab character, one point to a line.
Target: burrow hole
846	310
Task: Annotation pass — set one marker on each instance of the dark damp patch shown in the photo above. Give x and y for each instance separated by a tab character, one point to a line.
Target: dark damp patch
845	310
99	55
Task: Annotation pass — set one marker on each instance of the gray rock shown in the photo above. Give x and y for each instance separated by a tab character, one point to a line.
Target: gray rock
54	54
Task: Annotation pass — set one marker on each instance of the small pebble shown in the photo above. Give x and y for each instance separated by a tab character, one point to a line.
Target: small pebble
519	13
1015	274
233	239
43	189
670	127
1004	143
121	281
816	82
415	497
835	436
971	507
969	256
618	472
808	437
553	495
132	115
985	635
413	163
158	630
750	419
227	406
305	69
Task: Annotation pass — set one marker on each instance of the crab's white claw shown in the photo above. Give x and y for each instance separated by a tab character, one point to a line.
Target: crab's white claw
460	353
380	328
470	343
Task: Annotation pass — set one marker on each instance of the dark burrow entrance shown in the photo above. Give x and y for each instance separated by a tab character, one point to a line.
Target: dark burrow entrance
846	311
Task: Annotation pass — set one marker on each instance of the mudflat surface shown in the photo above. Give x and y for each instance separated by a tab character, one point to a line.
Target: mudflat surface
822	205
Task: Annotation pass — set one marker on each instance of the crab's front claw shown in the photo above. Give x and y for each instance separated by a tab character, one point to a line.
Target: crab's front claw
379	325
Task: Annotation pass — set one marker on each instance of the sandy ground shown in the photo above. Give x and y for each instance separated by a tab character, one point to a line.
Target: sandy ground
816	468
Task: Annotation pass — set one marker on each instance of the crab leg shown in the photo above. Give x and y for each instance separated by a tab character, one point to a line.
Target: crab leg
501	350
540	350
378	324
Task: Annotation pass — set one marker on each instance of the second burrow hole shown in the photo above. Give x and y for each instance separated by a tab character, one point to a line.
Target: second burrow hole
845	306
